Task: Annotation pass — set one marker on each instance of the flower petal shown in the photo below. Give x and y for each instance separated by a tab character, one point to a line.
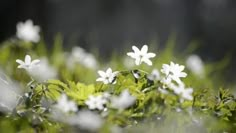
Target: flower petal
27	60
146	60
144	49
137	62
100	79
150	55
20	62
35	62
131	54
109	71
102	74
136	50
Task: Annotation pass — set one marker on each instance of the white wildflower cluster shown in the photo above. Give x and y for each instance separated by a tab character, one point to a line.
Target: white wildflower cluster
170	76
121	102
85	119
28	32
173	72
80	56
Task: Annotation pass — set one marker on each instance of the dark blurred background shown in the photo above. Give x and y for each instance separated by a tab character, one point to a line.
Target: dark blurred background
110	24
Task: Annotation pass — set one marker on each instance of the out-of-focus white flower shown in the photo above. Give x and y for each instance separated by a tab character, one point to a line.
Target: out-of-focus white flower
43	71
96	102
27	31
28	64
107	77
173	71
196	65
155	75
124	101
178	89
178	110
65	105
10	93
141	55
88	120
79	55
185	93
128	62
90	61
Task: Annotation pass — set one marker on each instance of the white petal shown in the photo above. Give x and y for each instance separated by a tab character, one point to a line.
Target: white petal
20	62
100	79
150	55
183	74
109	71
21	66
136	50
131	54
27	60
35	62
144	49
137	61
149	62
102	74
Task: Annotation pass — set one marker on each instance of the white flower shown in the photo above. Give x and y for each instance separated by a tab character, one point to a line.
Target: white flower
79	55
27	31
107	77
185	93
196	65
155	75
44	71
88	120
65	105
10	93
27	64
173	71
124	101
141	55
96	102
